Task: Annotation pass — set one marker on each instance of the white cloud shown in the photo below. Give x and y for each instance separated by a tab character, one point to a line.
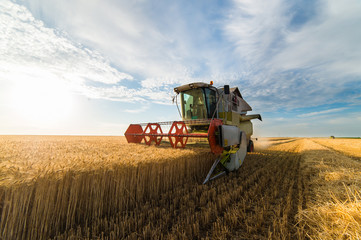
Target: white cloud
255	27
124	31
288	67
26	44
328	43
30	51
311	114
162	43
161	46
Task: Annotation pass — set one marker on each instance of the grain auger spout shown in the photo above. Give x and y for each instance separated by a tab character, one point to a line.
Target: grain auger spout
216	114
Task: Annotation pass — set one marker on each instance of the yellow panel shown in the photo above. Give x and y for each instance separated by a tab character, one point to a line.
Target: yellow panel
235	119
247	127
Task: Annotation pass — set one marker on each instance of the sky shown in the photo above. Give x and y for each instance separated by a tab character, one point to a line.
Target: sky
77	67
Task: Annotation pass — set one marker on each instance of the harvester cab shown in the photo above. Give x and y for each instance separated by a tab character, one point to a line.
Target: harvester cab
218	114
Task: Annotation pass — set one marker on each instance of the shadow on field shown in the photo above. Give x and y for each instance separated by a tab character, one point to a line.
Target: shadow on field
283	142
50	205
342	153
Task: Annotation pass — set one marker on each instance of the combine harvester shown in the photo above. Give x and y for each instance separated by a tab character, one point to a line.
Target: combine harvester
217	114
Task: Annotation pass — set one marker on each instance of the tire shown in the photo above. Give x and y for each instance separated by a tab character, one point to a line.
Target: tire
250	147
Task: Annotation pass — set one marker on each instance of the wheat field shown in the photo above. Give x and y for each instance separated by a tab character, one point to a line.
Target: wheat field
73	187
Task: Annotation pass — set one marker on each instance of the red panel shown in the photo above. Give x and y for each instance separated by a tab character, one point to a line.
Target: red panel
176	134
151	133
212	138
134	133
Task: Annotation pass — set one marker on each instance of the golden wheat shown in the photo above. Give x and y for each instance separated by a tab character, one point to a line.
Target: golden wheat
61	187
350	147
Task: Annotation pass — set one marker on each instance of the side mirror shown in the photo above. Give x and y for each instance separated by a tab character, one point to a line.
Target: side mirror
226	89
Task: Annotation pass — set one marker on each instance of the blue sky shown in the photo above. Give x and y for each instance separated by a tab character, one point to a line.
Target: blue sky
94	67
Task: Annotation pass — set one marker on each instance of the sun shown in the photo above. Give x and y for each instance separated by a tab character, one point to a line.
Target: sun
43	102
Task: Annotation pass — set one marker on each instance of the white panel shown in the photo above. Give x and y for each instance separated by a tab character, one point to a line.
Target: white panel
236	159
230	135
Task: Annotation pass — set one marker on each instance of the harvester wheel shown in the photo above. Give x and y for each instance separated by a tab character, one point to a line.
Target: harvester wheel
250	147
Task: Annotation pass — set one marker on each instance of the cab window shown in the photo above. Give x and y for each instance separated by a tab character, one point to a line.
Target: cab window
211	101
193	104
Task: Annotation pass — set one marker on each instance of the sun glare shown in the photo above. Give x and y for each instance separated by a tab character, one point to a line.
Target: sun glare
42	102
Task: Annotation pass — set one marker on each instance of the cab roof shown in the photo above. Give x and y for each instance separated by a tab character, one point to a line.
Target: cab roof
191	86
